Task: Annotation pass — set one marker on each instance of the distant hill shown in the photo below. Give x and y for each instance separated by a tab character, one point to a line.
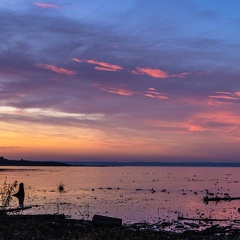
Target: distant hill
6	162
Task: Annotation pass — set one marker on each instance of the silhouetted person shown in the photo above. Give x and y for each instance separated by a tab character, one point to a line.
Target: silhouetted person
20	195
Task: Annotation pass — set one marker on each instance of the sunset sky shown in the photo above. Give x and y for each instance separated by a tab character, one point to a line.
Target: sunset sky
125	80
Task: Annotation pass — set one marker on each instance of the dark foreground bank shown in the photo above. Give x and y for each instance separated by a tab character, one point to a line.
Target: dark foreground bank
58	227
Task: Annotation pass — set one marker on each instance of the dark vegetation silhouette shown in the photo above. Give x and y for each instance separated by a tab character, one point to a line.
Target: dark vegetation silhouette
6	162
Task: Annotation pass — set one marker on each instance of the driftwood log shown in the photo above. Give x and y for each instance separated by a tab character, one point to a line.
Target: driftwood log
218	199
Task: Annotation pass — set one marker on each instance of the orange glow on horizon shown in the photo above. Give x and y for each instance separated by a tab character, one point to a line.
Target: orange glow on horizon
115	135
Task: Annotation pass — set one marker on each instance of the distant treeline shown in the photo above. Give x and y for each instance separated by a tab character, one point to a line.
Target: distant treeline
153	164
6	162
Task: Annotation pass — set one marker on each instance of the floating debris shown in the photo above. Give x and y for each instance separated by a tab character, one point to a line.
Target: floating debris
153	190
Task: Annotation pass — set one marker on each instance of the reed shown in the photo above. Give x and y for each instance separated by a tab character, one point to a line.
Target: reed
6	193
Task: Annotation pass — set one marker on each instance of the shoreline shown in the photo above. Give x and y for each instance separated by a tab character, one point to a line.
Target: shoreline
53	226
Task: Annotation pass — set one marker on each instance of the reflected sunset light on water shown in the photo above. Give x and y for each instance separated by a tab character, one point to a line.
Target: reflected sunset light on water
132	193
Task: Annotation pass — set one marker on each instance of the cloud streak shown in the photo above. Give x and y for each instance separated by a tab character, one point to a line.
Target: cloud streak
226	96
101	66
121	90
56	69
158	73
45	5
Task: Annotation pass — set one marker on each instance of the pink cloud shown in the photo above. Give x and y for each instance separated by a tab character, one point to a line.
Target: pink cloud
56	69
205	72
101	66
238	93
45	5
105	69
153	93
180	75
155	73
115	90
213	121
226	95
195	128
121	90
158	73
152	89
77	60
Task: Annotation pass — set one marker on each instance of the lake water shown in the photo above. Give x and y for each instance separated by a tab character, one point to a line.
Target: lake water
134	194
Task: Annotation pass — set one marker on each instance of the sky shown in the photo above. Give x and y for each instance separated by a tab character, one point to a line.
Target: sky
129	80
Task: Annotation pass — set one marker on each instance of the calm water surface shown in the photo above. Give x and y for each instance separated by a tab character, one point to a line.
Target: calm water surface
131	193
